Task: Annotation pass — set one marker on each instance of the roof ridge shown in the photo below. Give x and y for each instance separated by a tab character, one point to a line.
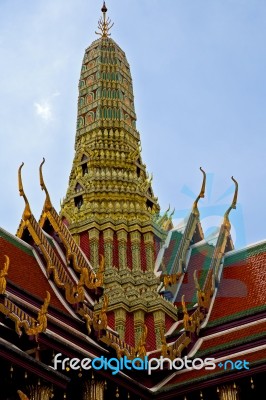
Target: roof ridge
16	241
250	246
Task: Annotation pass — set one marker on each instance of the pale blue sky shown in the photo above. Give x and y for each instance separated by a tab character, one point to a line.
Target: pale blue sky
198	70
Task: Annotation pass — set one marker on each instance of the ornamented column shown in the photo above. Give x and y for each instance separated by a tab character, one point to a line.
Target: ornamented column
108	237
94	390
149	247
159	323
94	247
122	249
138	325
228	392
120	322
135	247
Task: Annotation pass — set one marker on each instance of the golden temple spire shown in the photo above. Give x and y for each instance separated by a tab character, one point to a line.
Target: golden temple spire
104	24
47	204
202	191
27	211
233	205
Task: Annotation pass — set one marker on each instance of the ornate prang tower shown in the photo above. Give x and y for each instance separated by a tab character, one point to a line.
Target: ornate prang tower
110	207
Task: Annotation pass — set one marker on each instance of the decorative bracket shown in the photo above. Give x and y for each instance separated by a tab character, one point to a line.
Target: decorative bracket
3	274
100	320
140	350
31	326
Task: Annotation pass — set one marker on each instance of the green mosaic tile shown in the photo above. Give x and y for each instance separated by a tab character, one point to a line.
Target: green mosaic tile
244	254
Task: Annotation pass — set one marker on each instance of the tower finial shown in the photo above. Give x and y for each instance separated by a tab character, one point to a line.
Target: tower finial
202	192
47	204
233	205
104	8
104	24
27	210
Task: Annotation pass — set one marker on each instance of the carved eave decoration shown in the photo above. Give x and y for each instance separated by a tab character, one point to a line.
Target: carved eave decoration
164	218
120	346
193	223
99	322
204	295
170	279
174	350
100	319
30	325
91	279
88	277
87	315
74	293
165	221
191	321
22	396
37	392
140	350
3	274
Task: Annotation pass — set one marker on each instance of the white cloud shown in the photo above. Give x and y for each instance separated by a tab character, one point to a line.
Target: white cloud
55	94
44	110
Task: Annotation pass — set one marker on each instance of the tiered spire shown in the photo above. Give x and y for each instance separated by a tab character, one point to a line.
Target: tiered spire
108	181
110	207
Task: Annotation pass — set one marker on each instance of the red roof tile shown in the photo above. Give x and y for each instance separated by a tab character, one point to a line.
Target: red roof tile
200	260
170	252
24	270
235	337
242	289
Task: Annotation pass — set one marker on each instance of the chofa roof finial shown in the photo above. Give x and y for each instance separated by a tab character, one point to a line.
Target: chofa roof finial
27	211
202	191
47	204
233	205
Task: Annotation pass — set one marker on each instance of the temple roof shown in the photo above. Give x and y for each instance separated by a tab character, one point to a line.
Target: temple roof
200	260
232	338
87	282
26	269
242	289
